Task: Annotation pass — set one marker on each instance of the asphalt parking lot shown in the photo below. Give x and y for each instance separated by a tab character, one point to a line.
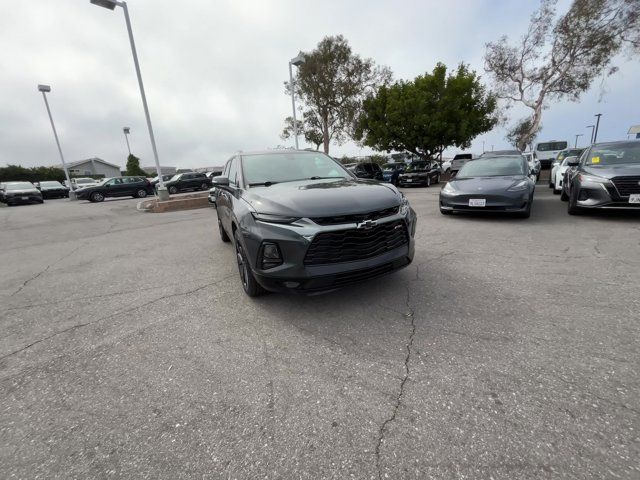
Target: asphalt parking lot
507	350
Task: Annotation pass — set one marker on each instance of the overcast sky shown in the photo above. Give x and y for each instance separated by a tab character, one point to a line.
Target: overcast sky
214	72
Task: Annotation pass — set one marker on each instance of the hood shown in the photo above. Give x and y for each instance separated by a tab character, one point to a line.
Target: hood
23	191
485	184
321	198
610	171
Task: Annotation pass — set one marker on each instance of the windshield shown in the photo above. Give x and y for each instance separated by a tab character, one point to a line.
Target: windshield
623	153
84	180
19	186
288	167
493	167
417	166
551	146
50	184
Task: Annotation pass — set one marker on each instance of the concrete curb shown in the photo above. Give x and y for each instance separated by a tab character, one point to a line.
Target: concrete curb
185	202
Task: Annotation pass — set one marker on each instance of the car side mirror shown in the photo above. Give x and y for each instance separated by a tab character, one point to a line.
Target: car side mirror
220	181
572	161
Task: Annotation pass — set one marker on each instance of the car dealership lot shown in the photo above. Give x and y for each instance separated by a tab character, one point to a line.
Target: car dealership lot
508	349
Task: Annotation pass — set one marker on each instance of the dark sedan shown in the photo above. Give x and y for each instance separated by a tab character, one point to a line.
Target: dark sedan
606	176
137	187
422	172
14	193
188	181
490	184
391	171
300	222
155	180
366	170
53	189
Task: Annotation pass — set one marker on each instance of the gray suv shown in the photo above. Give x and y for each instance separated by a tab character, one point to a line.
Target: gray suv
300	222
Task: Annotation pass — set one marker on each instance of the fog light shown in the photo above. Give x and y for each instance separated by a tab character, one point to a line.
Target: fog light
291	284
271	256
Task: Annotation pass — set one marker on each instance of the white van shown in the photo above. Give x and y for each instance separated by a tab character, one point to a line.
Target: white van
546	152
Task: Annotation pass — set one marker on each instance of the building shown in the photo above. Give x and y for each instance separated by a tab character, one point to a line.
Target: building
165	170
634	130
94	167
208	169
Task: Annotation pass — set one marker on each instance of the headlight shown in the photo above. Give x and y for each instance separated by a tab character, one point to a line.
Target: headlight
518	187
404	206
592	179
448	188
269	218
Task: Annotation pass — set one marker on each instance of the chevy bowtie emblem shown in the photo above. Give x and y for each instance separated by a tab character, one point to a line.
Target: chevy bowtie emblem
367	225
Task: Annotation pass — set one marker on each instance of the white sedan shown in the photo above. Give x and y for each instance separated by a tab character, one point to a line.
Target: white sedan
558	174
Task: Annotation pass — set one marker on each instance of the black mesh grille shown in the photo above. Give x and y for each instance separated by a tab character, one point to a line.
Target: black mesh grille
356	218
627	185
356	244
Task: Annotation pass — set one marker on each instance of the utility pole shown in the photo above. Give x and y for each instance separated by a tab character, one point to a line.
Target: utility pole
595	135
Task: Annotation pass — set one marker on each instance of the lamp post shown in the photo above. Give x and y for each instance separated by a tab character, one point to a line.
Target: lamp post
111	5
595	135
126	131
44	89
592	127
297	61
576	144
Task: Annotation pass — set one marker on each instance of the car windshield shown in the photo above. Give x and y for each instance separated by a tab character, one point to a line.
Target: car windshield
551	146
417	166
565	162
623	153
493	167
19	186
390	167
289	166
177	176
50	184
84	180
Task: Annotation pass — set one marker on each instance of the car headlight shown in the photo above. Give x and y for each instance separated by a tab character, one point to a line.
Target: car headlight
448	188
518	187
584	178
269	218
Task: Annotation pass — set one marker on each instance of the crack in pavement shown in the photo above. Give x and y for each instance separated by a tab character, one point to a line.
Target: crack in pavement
412	331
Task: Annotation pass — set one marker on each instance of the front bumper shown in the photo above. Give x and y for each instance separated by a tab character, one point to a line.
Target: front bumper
603	196
494	203
23	199
293	276
411	181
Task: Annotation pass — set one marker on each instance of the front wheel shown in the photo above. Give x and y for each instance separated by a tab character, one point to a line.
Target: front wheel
141	193
428	181
445	212
437	178
96	197
249	284
563	195
573	208
204	186
173	190
223	235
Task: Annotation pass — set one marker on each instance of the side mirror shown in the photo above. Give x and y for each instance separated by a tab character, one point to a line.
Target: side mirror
220	181
572	161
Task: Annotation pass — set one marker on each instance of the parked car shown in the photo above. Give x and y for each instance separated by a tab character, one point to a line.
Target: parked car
300	222
52	189
546	152
14	193
501	153
214	173
165	178
390	171
490	184
459	160
606	176
559	173
366	170
534	164
571	152
83	182
137	187
188	181
422	172
446	166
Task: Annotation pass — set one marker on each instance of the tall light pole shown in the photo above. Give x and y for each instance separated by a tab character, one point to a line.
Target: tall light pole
111	5
592	127
297	61
576	144
482	146
44	89
126	131
595	135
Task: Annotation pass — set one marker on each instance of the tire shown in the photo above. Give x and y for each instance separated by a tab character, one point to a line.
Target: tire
556	192
526	213
141	193
563	195
428	181
248	281
204	186
173	189
223	235
445	212
96	197
438	179
572	207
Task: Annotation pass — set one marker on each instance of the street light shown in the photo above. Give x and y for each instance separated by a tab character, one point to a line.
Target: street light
111	5
595	135
577	135
297	61
45	89
592	127
126	131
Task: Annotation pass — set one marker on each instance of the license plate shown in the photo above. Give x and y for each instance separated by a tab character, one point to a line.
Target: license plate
25	198
477	202
635	198
409	180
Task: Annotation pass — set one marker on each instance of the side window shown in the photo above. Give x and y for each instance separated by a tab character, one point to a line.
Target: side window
233	171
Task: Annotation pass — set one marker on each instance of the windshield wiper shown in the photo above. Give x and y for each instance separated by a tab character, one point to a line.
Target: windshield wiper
320	178
262	184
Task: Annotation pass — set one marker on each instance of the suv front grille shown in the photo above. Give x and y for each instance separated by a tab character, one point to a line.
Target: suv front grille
627	185
356	218
356	244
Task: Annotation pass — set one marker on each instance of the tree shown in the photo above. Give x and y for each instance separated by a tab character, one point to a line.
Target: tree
558	59
133	167
331	85
13	173
428	114
521	134
308	127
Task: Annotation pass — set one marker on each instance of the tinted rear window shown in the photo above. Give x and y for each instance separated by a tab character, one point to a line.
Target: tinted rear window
462	156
